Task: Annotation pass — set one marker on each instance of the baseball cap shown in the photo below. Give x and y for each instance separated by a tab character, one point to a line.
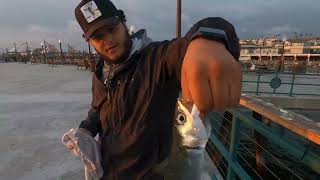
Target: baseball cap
94	14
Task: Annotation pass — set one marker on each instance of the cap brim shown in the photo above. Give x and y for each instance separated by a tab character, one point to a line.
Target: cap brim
101	23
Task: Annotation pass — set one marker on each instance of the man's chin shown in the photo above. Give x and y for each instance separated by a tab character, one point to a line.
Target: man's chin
115	58
111	58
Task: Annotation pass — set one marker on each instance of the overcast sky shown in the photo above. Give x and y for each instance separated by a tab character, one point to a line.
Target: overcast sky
34	20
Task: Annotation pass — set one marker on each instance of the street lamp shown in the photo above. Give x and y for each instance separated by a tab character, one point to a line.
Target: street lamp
178	23
2	52
132	30
91	60
43	51
89	48
61	54
284	39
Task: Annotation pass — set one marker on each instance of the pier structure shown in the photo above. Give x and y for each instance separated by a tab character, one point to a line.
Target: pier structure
48	54
274	133
294	63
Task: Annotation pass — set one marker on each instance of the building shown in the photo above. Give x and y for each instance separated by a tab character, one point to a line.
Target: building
303	46
276	46
260	50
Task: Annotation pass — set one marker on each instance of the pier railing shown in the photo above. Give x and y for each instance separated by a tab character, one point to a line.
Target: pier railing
291	84
261	141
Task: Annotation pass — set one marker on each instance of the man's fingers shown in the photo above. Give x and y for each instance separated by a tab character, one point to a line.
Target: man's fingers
235	90
85	131
200	90
235	93
185	86
70	147
220	95
231	97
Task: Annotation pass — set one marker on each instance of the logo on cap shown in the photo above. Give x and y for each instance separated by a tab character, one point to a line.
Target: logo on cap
90	11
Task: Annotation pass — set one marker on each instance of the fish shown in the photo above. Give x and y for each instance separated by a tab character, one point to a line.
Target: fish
190	135
193	131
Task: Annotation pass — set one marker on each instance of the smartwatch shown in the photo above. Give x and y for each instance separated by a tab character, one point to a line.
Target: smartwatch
212	34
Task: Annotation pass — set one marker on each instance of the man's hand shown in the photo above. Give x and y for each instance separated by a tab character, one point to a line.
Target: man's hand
85	131
210	76
70	146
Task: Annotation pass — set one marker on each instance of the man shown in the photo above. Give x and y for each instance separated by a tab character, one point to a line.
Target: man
137	82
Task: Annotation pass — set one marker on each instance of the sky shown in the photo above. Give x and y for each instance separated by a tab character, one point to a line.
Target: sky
53	20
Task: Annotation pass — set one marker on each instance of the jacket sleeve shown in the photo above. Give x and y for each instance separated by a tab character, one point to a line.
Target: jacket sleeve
172	52
92	122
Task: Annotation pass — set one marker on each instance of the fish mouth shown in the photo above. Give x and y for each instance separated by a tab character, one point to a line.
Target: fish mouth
194	142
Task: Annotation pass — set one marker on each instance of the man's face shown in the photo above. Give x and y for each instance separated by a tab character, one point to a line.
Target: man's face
111	42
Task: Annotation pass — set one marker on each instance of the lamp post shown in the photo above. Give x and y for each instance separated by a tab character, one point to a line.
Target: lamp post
43	54
91	61
89	49
15	51
27	52
2	51
45	51
178	26
284	39
8	57
2	54
259	52
89	52
61	53
132	30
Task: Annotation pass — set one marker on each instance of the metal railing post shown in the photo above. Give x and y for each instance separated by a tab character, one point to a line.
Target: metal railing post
178	24
258	83
234	142
259	139
274	89
292	83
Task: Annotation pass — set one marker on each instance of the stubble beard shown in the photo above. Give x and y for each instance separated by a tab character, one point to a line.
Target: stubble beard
124	55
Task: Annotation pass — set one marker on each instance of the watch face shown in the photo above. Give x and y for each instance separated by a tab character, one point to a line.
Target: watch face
212	30
212	34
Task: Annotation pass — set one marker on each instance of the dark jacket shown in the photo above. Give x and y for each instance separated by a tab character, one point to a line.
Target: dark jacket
133	111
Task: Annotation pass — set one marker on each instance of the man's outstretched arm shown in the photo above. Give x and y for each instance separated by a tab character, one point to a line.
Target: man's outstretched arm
206	65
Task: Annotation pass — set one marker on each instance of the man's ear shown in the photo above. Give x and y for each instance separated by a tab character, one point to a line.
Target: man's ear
126	27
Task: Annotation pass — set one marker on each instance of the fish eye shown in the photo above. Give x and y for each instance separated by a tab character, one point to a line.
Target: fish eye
181	119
